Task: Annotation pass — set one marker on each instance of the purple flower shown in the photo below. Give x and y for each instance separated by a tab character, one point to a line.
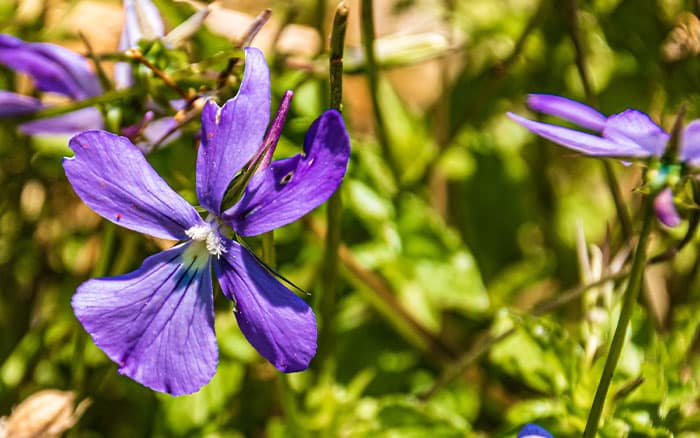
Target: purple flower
157	322
630	134
53	69
534	431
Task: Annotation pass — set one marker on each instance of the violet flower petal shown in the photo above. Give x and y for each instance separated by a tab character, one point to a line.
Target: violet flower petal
665	210
690	143
635	127
13	104
579	141
279	324
114	179
157	322
52	67
70	123
290	188
233	133
534	431
567	109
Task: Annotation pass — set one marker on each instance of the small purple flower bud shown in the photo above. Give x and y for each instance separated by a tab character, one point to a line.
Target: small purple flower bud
665	210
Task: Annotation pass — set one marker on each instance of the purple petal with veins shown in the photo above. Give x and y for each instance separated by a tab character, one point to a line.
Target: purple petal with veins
157	322
113	178
567	109
279	324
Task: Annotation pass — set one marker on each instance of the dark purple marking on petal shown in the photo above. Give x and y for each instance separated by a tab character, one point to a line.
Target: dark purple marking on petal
53	68
534	431
113	178
157	322
582	142
632	126
70	123
233	133
567	109
690	143
13	104
279	324
665	210
290	188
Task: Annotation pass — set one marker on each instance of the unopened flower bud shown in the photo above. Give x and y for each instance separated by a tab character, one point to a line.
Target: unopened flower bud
48	413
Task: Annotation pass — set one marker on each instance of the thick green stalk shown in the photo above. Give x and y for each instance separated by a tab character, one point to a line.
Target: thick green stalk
326	300
634	285
372	72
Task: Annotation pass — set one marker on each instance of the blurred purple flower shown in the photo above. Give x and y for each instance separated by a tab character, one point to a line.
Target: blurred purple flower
630	134
53	69
157	322
534	431
141	21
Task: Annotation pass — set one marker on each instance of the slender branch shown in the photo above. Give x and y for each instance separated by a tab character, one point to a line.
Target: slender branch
372	72
248	37
630	297
104	80
137	56
107	97
384	300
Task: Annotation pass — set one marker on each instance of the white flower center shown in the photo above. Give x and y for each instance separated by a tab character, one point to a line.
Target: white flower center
207	234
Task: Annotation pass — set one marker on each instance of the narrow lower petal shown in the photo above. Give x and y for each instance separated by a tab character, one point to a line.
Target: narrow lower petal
113	178
233	133
279	324
53	68
581	142
632	126
288	189
157	322
690	143
567	109
70	123
13	104
534	431
665	210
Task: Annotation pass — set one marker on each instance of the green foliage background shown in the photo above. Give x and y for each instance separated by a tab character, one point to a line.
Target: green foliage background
460	244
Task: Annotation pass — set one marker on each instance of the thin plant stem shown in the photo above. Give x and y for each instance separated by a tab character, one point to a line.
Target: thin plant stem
326	300
382	297
137	56
108	97
372	73
630	297
80	342
248	37
582	67
287	398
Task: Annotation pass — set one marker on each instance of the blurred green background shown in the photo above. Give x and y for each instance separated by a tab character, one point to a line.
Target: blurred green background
454	232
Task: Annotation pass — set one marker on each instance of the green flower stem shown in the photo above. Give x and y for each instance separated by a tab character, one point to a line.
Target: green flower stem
634	285
107	97
100	270
372	72
326	300
286	394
